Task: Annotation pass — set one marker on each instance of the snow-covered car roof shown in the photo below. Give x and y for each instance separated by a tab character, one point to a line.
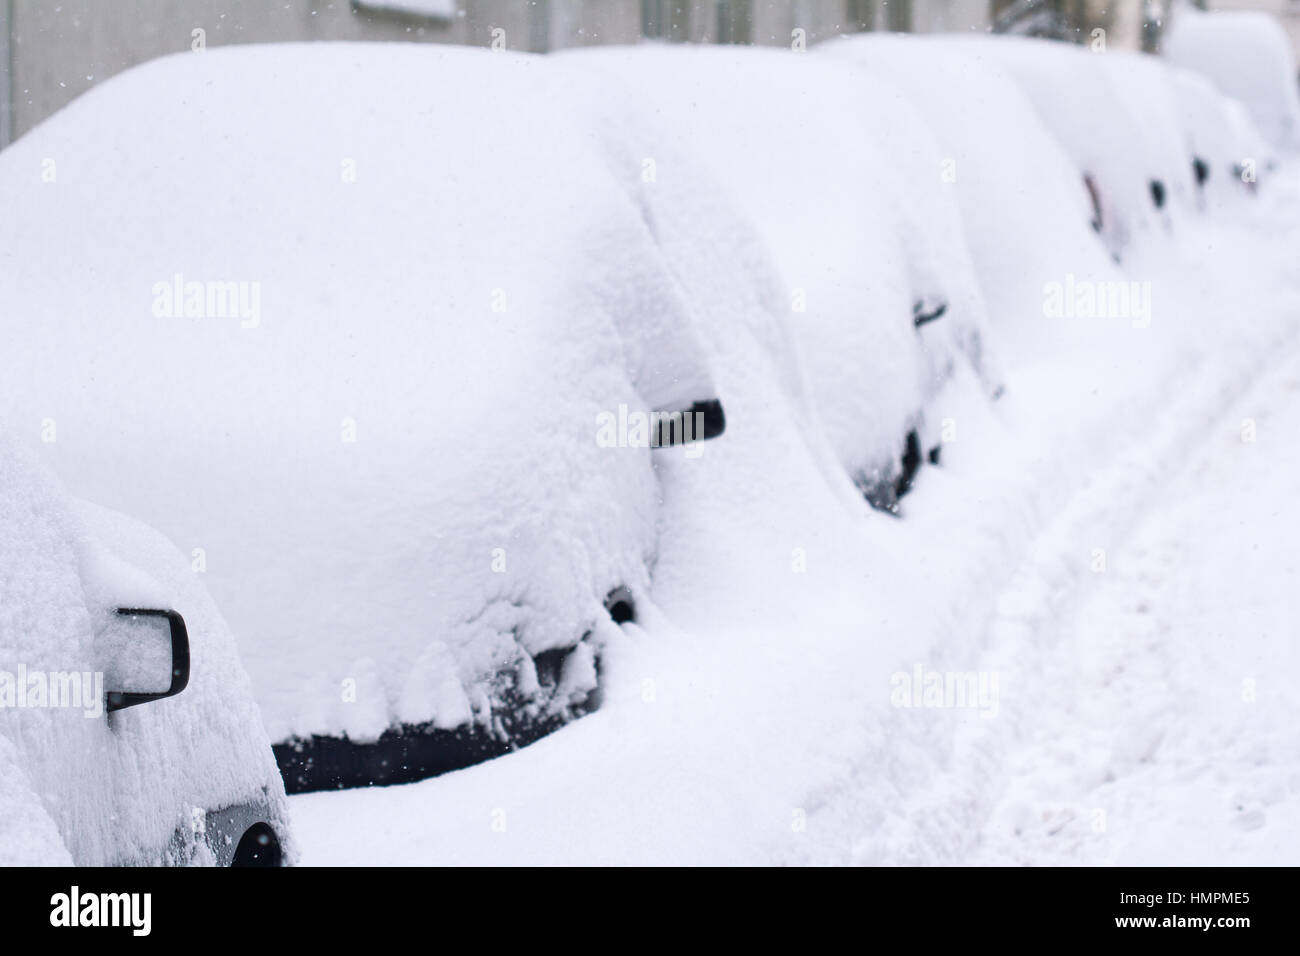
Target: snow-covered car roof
384	452
874	235
1246	55
990	134
1114	114
1221	135
1026	208
77	788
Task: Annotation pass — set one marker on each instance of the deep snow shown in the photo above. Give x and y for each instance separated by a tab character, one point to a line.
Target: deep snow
751	718
1165	703
875	234
757	726
386	462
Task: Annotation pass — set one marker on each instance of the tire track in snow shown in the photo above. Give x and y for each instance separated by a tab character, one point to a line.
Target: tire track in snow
1171	739
925	792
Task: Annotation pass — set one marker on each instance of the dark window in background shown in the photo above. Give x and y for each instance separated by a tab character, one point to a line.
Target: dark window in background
723	21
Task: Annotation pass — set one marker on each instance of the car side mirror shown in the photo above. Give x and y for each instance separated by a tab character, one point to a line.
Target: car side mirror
145	655
702	421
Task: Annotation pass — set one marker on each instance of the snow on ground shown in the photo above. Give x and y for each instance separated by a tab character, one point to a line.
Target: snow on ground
1165	692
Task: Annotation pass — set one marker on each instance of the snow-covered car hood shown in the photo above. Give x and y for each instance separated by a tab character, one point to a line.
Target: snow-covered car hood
78	789
1246	55
383	451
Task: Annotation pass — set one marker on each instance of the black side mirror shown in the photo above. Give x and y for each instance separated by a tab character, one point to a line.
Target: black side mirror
1158	193
146	656
927	310
702	421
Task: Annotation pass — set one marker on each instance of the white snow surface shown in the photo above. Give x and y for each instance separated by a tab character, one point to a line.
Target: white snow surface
445	304
1018	228
1116	116
873	233
81	787
750	716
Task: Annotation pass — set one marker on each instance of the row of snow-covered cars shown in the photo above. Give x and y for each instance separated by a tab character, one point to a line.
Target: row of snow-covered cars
405	372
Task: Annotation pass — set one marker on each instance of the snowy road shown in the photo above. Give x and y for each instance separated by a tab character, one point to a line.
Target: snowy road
1165	719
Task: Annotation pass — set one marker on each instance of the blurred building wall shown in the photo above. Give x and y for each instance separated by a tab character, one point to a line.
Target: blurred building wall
6	100
51	51
58	50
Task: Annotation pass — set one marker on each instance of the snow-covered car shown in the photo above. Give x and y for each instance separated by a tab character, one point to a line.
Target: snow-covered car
128	732
1025	232
1020	229
1116	114
398	370
1228	151
883	301
1246	55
